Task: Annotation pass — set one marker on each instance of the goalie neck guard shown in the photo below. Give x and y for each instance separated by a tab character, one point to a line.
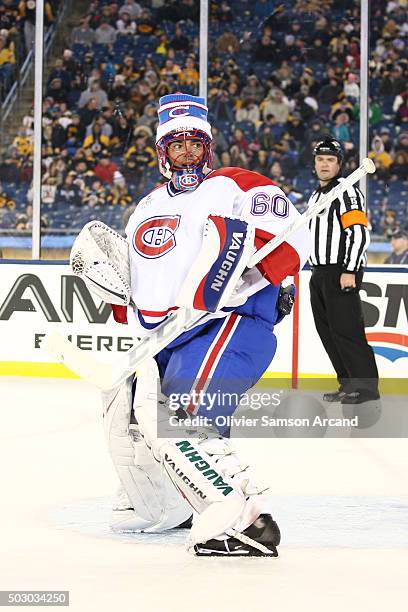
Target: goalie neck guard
183	117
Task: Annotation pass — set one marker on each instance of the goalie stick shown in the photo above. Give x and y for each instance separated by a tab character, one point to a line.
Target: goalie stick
107	376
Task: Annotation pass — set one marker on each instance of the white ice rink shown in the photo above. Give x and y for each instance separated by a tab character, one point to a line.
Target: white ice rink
342	505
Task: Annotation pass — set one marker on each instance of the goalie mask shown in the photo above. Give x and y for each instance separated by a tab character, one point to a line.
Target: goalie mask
183	124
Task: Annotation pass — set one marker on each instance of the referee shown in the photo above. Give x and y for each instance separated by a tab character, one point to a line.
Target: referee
339	242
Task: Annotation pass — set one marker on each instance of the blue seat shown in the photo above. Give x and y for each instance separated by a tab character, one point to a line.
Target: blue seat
386	104
247	127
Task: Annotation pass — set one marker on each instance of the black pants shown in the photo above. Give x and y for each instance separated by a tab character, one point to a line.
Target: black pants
339	322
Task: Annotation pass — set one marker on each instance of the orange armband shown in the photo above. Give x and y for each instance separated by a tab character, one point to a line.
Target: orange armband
354	217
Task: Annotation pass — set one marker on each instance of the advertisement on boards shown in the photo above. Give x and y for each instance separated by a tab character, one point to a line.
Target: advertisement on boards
36	299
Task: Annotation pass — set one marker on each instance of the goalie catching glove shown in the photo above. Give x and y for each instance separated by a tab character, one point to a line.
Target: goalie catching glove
100	256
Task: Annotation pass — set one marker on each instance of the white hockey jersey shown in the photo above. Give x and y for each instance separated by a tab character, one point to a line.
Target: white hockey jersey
165	234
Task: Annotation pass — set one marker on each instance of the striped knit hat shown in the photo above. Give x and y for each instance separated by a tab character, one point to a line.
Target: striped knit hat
179	112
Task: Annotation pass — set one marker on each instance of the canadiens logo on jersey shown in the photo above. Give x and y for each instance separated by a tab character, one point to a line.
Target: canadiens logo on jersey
156	236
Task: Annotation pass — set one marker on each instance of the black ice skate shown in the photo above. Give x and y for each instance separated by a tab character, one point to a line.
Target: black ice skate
360	397
186	525
264	531
335	396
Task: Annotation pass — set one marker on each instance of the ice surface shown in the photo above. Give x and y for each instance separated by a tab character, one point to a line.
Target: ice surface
342	505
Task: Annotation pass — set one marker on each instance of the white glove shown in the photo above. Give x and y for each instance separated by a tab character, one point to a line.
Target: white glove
100	256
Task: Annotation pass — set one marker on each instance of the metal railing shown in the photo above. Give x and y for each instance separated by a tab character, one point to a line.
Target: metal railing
26	69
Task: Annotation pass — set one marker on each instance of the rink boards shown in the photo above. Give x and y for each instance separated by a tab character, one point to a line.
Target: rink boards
36	298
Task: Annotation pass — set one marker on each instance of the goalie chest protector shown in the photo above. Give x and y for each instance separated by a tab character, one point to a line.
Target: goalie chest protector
165	234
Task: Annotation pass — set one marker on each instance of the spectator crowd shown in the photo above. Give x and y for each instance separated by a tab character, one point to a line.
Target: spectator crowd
17	27
280	78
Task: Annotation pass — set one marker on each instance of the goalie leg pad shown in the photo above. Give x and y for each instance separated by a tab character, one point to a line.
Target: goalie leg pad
202	466
154	504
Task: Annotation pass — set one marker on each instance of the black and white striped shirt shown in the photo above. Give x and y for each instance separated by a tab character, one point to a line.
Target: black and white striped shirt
340	235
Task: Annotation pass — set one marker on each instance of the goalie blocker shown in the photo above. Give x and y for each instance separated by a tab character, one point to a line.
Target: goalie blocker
228	244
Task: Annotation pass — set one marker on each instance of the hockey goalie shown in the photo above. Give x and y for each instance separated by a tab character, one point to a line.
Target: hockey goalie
187	245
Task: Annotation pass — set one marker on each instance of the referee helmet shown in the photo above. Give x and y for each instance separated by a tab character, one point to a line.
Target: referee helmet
329	146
